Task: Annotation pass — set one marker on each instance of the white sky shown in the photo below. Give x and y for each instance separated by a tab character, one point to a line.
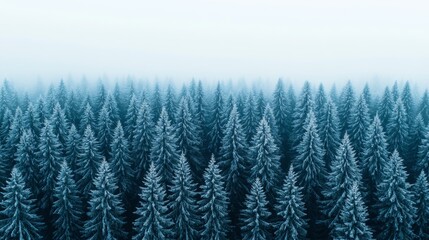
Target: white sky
299	40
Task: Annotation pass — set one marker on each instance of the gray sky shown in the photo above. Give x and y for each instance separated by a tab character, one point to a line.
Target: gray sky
211	39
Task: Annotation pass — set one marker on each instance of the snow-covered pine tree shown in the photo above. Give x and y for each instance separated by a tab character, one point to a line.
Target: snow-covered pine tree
385	107
359	124
170	103
423	107
72	147
152	222
265	158
88	161
189	136
67	206
164	152
72	107
250	117
272	123
105	220
344	172
346	103
255	215
366	93
396	211
216	121
417	134
142	141
353	217
280	109
329	129
320	102
87	119
49	157
26	161
19	219
120	160
233	157
310	168
291	210
6	123
131	118
397	129
105	126
303	107
60	124
182	205
156	102
421	200
31	120
395	92
214	204
408	101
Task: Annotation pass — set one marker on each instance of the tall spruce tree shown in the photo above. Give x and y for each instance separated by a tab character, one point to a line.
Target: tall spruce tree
320	102
67	206
189	136
152	222
105	220
353	217
142	141
164	152
49	157
214	204
87	119
396	209
265	158
304	106
88	161
359	124
329	131
255	216
344	172
421	200
250	117
183	208
19	219
216	121
397	129
170	103
291	210
60	124
120	161
131	118
73	147
345	107
408	101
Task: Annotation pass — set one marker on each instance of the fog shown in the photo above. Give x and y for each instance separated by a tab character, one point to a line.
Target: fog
321	41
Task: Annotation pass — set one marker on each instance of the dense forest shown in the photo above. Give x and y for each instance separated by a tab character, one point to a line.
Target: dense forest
209	162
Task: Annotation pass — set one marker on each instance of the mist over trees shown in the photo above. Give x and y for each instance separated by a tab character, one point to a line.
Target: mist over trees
151	160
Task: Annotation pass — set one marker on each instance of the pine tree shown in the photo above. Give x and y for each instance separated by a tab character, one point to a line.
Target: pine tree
397	129
366	93
153	221
156	102
121	162
60	125
423	107
359	124
353	217
72	108
233	157
164	151
309	163
88	161
304	106
272	123
344	172
395	92
189	136
320	102
87	119
265	158
49	157
170	103
182	202
105	220
345	107
31	120
73	147
330	131
408	101
131	118
421	200
26	161
105	126
19	219
417	134
67	206
250	117
291	210
6	123
255	216
280	110
216	121
385	107
214	204
395	208
142	141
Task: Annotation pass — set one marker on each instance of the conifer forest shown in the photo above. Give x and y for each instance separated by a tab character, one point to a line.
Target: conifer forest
207	161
